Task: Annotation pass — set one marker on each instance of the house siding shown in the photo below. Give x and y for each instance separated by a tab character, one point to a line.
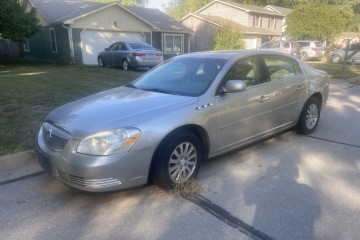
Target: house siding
227	12
40	46
203	33
115	19
77	45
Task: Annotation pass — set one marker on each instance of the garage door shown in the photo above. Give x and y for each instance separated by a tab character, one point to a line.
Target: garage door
250	42
94	42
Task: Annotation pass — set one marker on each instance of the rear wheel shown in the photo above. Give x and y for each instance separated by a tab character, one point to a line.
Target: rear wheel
125	65
335	58
101	62
179	160
309	117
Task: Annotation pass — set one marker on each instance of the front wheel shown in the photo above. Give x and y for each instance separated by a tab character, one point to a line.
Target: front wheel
309	117
179	160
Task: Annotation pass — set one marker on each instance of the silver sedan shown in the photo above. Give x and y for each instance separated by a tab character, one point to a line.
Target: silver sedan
162	126
129	54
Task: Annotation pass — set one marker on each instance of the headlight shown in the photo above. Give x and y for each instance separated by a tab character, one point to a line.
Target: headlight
109	142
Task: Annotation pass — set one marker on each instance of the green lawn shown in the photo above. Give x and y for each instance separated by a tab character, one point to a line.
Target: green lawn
335	70
30	90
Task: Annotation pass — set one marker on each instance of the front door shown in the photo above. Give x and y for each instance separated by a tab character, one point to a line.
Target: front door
243	116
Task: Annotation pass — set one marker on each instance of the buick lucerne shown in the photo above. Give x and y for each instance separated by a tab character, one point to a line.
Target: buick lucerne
161	127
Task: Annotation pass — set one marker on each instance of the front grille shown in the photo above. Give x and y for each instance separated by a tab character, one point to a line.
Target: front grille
54	137
88	183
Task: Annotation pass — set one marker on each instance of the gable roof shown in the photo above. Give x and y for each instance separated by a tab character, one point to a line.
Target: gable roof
158	19
243	7
66	11
281	10
56	11
220	22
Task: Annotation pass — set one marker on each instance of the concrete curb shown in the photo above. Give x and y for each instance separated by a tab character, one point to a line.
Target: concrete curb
18	165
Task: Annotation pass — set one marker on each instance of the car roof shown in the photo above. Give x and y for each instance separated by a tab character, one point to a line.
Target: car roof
228	54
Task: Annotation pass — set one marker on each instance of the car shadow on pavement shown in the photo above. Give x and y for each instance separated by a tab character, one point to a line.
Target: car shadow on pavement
282	204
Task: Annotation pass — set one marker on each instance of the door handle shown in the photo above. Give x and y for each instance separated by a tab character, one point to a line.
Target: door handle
264	98
300	86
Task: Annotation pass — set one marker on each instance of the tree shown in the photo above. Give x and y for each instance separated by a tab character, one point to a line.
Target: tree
318	21
137	3
228	38
180	8
15	24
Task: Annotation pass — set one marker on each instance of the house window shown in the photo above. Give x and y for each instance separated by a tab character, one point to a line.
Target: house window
272	23
173	44
26	46
257	21
53	40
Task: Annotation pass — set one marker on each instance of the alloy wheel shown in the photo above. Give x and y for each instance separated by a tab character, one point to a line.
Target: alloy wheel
182	162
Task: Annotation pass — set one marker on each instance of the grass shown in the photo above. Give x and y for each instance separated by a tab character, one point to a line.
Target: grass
335	70
190	188
30	90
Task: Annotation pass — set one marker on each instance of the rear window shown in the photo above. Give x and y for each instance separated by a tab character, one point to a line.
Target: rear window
318	44
286	44
140	45
305	44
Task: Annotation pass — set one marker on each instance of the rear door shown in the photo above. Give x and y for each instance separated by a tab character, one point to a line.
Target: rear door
287	88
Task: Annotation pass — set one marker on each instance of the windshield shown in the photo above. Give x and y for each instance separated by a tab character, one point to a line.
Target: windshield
187	76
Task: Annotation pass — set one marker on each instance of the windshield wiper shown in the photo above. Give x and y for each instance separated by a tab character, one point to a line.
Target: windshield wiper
130	85
157	90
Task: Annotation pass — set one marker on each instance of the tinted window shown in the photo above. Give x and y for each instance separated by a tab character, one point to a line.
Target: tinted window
113	47
318	44
305	44
140	45
280	68
286	44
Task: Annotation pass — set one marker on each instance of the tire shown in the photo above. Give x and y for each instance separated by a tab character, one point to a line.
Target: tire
304	56
101	62
125	65
335	58
179	160
309	117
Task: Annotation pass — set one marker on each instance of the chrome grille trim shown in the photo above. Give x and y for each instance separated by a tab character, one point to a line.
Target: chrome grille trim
88	183
55	137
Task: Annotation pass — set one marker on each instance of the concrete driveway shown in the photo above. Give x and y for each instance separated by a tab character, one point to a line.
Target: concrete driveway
289	187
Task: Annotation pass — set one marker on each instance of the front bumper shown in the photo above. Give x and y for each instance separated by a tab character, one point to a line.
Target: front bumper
94	173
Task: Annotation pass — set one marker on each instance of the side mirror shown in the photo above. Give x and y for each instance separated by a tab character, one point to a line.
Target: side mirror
233	86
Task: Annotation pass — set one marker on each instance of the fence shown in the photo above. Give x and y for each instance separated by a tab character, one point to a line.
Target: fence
9	48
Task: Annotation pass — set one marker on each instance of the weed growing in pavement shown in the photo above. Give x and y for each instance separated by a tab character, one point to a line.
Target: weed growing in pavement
190	188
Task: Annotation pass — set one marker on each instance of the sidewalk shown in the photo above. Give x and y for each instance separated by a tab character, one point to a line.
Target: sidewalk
20	164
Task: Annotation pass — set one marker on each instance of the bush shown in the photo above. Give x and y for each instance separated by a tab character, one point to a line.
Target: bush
228	38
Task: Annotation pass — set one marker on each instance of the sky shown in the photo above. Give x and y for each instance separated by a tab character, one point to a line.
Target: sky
159	4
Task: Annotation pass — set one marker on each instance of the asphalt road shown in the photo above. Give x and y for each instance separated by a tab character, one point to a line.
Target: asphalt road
289	187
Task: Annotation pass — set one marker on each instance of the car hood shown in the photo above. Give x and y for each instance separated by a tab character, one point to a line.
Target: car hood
118	107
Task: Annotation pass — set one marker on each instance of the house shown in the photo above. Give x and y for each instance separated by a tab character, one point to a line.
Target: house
283	11
342	39
81	29
259	25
